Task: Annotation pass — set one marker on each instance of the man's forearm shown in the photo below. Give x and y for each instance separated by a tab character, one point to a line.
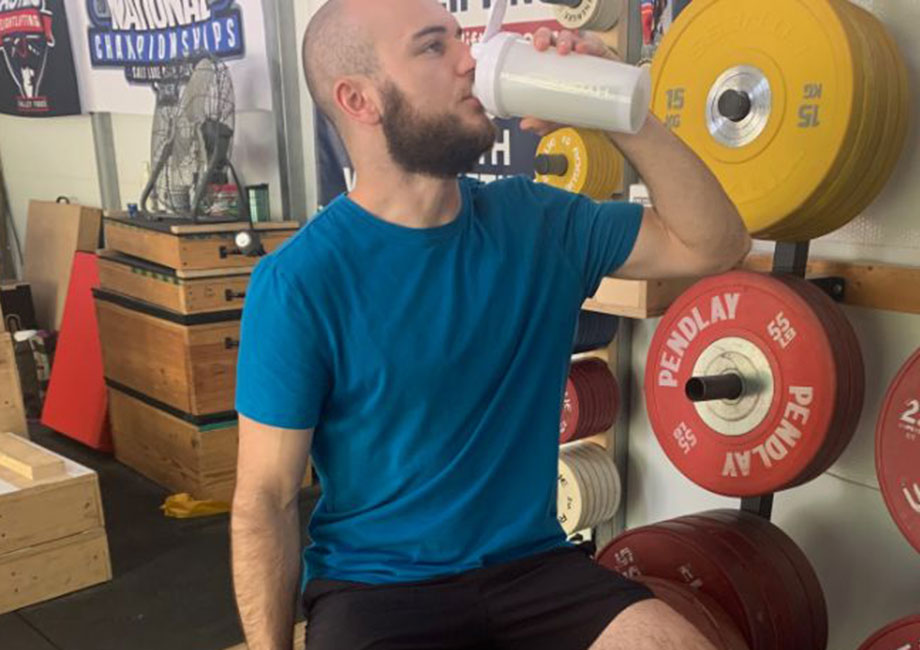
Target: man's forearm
266	571
685	193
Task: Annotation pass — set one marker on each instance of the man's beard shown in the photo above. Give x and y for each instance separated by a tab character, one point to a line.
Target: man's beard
433	145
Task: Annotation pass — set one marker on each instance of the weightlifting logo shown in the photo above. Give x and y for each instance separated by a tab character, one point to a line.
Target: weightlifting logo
748	383
25	37
148	37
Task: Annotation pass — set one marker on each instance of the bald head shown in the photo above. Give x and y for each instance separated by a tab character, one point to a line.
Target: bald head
335	45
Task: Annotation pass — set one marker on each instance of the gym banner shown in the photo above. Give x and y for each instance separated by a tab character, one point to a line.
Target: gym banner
514	149
125	47
38	77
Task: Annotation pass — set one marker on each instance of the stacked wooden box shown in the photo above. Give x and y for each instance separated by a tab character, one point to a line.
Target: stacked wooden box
52	530
12	409
169	309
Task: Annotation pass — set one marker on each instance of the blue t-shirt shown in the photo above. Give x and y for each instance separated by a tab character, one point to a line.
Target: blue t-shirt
432	364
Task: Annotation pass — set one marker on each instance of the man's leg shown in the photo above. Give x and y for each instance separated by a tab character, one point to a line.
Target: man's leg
650	625
560	600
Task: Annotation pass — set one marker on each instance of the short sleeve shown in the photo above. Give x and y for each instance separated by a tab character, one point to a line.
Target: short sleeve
596	237
283	371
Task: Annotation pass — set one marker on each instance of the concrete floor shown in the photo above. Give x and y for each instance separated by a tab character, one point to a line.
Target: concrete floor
171	588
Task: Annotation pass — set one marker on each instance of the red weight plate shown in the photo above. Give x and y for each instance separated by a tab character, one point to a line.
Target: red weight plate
851	389
591	377
790	342
777	577
897	449
846	414
776	538
597	370
568	422
611	393
820	461
589	399
601	397
851	408
742	571
577	375
704	613
661	552
900	635
797	593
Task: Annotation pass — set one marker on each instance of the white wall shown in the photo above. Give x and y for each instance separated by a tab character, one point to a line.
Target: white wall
45	159
869	572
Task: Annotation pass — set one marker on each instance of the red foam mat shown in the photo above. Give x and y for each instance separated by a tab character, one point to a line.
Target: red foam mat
77	403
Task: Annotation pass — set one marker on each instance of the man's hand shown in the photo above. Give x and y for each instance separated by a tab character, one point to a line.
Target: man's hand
566	43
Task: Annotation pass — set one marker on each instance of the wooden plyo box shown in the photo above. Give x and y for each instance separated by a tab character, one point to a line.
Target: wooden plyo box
186	362
178	451
180	455
52	529
12	409
190	246
184	292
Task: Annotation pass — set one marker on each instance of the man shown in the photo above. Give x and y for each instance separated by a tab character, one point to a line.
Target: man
415	337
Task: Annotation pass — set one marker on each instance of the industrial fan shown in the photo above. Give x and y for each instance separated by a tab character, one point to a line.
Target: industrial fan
191	141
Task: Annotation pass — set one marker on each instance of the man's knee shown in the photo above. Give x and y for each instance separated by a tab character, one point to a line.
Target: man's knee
650	625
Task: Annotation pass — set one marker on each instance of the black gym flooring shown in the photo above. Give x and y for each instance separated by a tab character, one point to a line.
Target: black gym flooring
171	587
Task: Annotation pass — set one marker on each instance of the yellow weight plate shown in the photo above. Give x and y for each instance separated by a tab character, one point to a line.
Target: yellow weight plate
613	168
597	167
591	161
610	167
828	207
897	112
569	144
878	154
859	172
863	162
793	60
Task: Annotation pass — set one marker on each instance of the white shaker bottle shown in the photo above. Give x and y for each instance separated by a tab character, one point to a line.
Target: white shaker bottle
513	79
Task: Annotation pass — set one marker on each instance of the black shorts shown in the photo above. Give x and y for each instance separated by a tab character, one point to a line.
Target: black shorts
561	600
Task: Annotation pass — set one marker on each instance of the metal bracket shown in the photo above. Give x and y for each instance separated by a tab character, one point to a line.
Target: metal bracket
833	286
761	506
791	257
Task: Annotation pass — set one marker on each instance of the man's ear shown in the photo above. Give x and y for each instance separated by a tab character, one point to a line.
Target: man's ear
358	99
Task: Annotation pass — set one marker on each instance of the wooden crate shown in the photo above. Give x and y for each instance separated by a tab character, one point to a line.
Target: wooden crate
52	529
185	292
179	455
186	362
12	409
55	232
636	298
174	450
190	246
